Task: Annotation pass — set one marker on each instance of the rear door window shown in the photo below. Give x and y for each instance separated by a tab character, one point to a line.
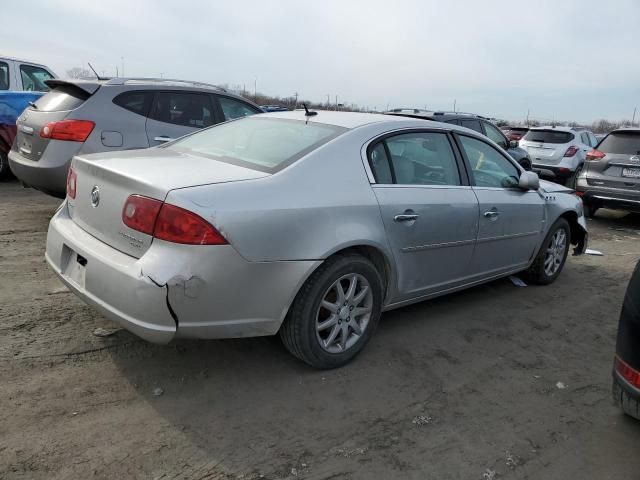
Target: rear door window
181	108
232	108
136	102
593	141
473	124
626	143
424	158
548	136
4	76
33	78
585	138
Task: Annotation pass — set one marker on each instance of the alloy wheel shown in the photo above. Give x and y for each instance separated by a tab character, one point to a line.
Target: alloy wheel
344	313
554	255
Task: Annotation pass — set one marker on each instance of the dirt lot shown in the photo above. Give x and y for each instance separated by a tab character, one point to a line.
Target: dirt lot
463	387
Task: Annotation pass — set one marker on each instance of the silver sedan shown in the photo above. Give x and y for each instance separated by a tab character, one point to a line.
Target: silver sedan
304	224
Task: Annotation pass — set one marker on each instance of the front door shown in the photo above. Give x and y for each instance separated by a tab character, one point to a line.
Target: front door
178	113
429	212
511	219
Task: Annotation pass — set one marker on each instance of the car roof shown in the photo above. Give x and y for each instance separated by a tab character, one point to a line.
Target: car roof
626	130
21	60
352	120
560	128
438	116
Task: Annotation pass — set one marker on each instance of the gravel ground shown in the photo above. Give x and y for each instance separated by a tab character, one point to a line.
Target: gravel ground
462	387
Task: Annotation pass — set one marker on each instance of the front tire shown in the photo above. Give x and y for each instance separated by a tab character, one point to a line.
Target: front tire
335	312
552	255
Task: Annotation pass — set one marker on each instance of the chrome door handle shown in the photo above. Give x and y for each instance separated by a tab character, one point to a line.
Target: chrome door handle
491	214
405	218
164	138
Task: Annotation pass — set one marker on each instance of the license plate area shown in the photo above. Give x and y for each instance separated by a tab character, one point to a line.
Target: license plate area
631	172
76	267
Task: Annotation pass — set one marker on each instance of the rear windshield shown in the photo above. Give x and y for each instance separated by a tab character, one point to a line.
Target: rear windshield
626	143
264	144
548	136
61	99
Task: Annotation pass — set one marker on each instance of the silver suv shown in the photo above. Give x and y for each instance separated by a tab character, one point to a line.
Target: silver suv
611	176
80	117
558	153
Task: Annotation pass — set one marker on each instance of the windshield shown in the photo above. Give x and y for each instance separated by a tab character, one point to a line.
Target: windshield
627	143
548	136
265	144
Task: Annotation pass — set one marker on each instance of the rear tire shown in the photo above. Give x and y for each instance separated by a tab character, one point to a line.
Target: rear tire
590	210
550	259
319	303
4	166
628	404
572	181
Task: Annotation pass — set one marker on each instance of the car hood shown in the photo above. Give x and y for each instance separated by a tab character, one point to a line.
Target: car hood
550	187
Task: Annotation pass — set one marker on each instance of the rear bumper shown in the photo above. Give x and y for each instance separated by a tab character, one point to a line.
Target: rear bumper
608	197
49	174
176	290
559	172
625	386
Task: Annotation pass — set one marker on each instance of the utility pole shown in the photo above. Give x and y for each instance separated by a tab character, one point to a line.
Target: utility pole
633	120
527	117
161	74
122	60
117	75
454	105
255	89
296	104
328	100
336	103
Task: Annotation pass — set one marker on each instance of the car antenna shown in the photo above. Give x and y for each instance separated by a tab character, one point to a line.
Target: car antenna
307	112
94	72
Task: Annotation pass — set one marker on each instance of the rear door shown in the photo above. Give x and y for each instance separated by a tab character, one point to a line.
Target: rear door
510	219
429	211
547	146
177	113
620	167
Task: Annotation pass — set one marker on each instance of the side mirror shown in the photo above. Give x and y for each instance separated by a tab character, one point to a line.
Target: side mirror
514	144
529	181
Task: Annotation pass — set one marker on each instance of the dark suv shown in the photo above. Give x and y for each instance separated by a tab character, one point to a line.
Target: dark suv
474	122
78	117
611	174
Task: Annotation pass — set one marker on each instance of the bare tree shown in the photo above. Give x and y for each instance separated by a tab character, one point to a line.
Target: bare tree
79	72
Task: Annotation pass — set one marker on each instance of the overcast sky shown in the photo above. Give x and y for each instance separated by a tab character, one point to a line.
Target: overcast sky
571	60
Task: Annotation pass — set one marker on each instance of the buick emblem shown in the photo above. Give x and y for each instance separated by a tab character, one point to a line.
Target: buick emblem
635	159
95	196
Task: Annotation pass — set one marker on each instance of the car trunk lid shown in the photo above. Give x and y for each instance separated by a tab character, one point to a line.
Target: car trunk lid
620	166
104	182
54	106
546	146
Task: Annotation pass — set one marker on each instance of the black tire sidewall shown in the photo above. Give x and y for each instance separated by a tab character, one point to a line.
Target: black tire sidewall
305	317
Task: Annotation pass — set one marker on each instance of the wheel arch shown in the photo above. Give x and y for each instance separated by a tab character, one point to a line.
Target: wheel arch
578	233
375	253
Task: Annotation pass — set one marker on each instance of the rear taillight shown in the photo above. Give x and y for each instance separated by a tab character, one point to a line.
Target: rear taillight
571	151
140	213
70	130
595	155
72	179
627	372
175	224
168	222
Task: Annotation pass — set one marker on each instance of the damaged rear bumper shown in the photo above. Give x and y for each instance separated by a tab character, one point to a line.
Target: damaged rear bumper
174	290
